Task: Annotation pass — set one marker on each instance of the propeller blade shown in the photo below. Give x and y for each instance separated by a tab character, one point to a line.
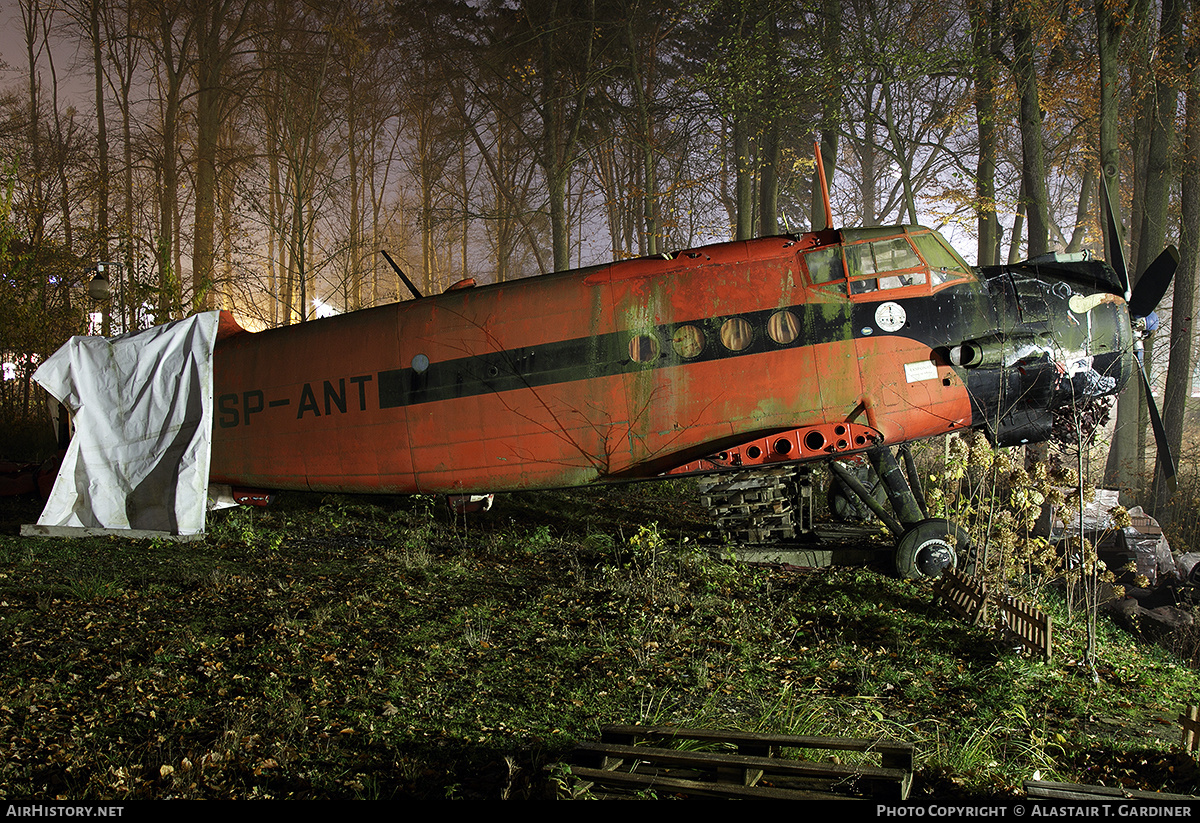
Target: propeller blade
1154	282
1116	255
1166	461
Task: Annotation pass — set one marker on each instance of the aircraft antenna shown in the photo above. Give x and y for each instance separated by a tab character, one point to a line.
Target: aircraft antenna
403	276
824	186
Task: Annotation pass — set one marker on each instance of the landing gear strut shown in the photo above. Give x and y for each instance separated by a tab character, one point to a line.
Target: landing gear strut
925	546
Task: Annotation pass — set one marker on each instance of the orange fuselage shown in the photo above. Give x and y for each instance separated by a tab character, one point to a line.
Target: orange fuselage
615	372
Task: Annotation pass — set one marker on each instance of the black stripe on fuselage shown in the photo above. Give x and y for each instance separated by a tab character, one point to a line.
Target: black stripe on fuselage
606	355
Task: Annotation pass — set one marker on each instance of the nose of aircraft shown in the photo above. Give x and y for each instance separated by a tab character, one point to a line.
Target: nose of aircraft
1109	343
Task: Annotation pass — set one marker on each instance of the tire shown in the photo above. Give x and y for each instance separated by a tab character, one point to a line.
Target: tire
930	548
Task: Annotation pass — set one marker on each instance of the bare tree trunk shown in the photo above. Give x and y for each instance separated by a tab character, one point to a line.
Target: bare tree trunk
1014	238
354	230
1179	371
899	154
1126	466
562	114
743	177
61	147
868	164
123	55
31	13
983	44
768	185
1082	210
220	27
1033	170
101	133
831	101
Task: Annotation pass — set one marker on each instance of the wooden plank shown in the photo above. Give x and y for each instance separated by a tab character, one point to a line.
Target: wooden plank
771	765
966	596
1075	791
654	782
1029	626
34	530
899	751
1190	720
758	759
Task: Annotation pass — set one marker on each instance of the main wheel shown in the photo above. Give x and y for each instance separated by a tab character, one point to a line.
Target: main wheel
930	548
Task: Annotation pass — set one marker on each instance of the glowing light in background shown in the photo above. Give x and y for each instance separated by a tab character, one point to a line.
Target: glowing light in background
323	309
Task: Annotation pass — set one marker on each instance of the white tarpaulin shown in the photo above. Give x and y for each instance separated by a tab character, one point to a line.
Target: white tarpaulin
143	426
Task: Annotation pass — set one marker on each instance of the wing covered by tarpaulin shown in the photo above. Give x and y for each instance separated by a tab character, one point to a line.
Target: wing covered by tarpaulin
143	405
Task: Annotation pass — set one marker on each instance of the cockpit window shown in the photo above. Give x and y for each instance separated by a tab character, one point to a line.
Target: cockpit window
882	265
824	265
884	258
869	284
944	263
881	256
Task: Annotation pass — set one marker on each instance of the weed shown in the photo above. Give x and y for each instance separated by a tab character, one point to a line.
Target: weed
237	524
541	540
477	632
94	587
515	542
566	786
646	545
598	544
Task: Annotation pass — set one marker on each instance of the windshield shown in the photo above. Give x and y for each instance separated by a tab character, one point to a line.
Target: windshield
885	259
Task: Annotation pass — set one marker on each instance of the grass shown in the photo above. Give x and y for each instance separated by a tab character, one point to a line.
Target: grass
336	647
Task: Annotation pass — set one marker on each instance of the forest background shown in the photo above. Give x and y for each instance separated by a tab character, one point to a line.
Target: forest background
257	156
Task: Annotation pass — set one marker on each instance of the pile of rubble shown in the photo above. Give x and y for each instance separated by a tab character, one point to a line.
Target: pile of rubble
1151	596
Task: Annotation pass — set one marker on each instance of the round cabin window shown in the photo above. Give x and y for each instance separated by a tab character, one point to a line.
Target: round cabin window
688	341
643	349
783	327
736	334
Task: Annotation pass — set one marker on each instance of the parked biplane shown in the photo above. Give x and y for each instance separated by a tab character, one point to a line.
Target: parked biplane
774	350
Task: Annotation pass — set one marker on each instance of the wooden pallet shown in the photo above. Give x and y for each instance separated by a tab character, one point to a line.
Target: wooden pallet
734	764
759	505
